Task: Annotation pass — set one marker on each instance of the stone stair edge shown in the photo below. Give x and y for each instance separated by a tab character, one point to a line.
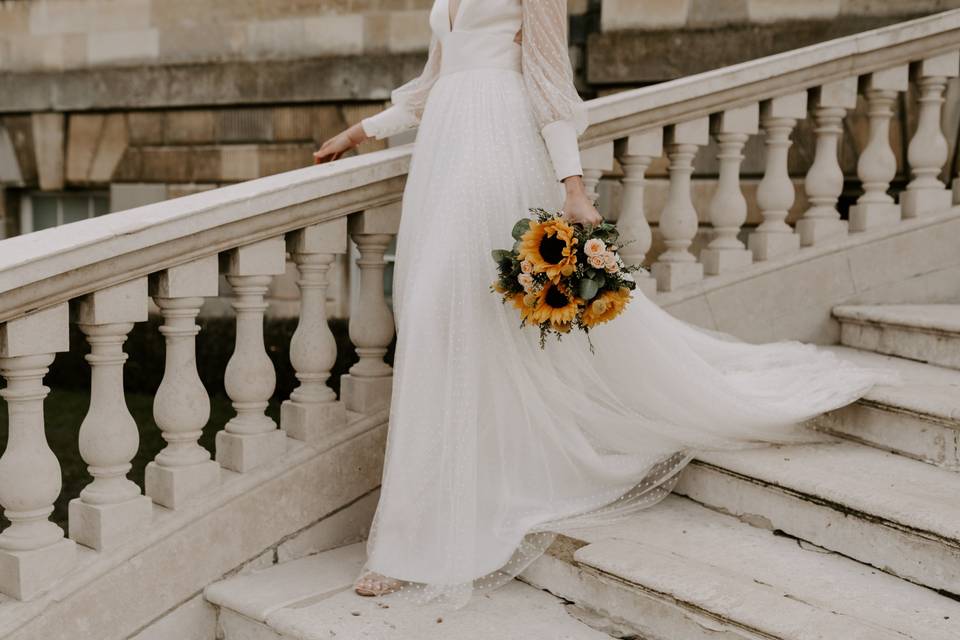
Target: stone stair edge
899	316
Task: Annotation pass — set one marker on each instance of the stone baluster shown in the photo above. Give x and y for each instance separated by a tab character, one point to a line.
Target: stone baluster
824	181
181	406
676	266
775	193
33	551
877	165
635	154
928	149
111	508
251	438
595	161
366	388
313	413
728	207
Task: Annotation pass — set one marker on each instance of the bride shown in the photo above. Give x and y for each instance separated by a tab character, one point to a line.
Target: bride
494	443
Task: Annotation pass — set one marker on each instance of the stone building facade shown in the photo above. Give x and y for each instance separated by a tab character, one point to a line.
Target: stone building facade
108	104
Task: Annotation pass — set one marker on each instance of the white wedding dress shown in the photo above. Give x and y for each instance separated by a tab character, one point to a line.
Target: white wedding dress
492	441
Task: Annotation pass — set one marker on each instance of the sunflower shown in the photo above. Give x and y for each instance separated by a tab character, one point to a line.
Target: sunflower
605	307
520	301
549	246
556	306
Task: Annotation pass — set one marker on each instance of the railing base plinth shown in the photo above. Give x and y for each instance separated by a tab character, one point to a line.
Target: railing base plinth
171	487
242	452
106	526
873	215
646	284
717	261
815	231
766	246
918	202
313	423
673	275
26	574
365	395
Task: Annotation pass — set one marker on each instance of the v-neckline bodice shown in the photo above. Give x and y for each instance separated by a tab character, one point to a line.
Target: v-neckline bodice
453	13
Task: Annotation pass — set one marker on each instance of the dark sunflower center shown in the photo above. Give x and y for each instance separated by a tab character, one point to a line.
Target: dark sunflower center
556	299
551	249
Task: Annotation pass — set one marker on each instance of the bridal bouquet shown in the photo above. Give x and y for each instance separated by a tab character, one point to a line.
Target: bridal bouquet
561	275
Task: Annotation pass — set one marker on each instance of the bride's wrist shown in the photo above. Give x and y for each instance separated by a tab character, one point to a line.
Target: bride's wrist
574	186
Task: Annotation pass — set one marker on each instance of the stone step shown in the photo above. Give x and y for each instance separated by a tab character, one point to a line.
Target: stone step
312	599
924	332
920	419
679	571
883	509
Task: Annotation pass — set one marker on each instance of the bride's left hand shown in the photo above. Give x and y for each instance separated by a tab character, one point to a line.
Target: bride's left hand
578	207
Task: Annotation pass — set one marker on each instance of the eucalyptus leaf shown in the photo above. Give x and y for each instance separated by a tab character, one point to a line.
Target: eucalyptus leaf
588	289
520	228
501	255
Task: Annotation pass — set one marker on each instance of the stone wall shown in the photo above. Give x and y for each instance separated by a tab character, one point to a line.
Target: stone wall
57	35
619	15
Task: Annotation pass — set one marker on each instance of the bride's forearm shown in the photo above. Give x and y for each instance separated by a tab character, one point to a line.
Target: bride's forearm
574	186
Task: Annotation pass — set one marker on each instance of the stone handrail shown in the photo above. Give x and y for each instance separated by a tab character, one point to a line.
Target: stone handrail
100	273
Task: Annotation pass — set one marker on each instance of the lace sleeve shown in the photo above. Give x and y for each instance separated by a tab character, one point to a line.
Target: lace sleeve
558	108
408	100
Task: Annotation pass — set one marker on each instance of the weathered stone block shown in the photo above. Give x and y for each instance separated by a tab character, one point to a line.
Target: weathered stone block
172	487
113	144
146	127
239	162
111	47
84	135
49	146
618	15
243	452
190	127
317	423
365	395
25	574
106	526
777	10
409	31
673	275
44	331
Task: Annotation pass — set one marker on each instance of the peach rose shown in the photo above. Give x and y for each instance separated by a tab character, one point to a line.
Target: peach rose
526	266
525	280
609	259
594	247
596	261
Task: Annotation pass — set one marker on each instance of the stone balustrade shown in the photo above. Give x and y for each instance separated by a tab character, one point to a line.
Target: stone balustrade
100	273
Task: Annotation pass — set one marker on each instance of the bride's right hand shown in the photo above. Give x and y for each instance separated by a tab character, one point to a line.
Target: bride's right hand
339	144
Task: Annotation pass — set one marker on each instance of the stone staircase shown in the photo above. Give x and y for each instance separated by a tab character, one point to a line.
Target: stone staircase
856	538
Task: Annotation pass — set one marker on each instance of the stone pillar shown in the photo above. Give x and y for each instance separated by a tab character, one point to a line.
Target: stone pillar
33	551
824	182
775	194
927	153
728	207
181	406
366	388
111	508
313	413
877	165
676	266
635	154
251	438
595	161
